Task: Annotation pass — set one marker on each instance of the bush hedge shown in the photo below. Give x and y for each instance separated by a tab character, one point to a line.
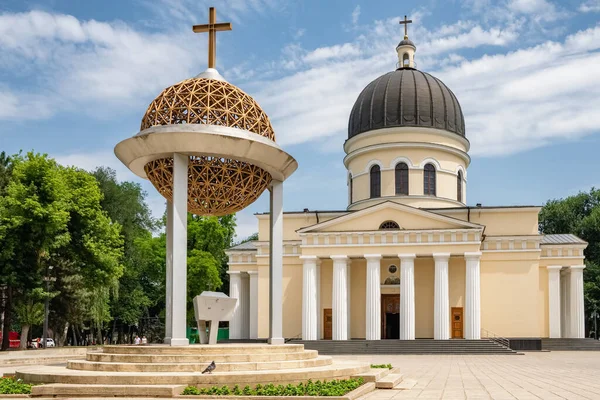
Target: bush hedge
388	366
14	386
318	388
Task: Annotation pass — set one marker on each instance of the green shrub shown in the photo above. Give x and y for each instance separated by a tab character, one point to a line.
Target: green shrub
310	388
14	386
388	366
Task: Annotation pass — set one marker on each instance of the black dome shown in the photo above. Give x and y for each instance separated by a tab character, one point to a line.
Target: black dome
406	97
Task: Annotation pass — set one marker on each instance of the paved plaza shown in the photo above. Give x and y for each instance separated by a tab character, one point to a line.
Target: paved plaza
535	375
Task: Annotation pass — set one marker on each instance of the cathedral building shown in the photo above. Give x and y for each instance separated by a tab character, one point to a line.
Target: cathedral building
407	258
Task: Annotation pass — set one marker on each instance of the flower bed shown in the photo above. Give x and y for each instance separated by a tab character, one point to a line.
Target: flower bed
14	386
318	388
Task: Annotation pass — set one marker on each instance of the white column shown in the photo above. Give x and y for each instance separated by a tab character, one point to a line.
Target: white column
178	246
373	300
169	277
339	298
554	304
253	323
276	264
441	300
235	291
309	298
472	296
245	306
577	305
407	296
565	300
319	312
349	298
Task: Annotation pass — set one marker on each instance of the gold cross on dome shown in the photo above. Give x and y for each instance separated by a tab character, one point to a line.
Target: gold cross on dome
405	23
212	28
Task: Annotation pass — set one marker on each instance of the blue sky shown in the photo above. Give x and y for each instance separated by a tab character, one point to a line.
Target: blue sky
76	77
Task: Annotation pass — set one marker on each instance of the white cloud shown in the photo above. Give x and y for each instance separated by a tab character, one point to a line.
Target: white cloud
590	6
326	53
299	33
355	15
81	64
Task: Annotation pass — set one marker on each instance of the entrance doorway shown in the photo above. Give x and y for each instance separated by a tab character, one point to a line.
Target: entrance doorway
457	322
390	316
327	324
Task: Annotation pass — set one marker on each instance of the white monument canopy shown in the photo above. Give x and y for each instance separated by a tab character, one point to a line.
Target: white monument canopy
213	307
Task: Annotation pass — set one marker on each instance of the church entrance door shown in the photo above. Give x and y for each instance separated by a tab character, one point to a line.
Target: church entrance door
327	324
390	316
457	322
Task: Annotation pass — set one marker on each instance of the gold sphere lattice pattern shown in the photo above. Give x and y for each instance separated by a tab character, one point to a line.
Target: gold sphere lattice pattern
216	186
207	101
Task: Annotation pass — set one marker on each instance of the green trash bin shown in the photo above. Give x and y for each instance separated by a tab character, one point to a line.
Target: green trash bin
223	334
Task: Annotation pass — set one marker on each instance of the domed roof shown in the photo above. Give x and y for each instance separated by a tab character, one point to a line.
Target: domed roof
208	99
406	97
406	42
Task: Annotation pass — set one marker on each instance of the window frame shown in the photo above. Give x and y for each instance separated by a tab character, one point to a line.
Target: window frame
429	180
375	182
399	170
459	187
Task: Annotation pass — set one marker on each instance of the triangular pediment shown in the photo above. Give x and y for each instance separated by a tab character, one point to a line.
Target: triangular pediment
371	218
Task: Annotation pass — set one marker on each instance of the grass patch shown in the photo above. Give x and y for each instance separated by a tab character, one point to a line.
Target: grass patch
14	386
310	388
388	366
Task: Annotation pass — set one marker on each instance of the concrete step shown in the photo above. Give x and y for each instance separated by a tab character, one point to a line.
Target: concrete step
199	358
197	367
62	390
570	344
389	381
221	349
374	374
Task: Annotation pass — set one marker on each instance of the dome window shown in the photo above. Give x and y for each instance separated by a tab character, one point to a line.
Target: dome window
350	188
459	194
405	60
401	179
375	175
429	180
389	225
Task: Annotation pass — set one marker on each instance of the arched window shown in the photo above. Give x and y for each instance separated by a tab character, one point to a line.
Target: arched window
401	179
350	187
459	186
375	181
429	180
386	225
405	60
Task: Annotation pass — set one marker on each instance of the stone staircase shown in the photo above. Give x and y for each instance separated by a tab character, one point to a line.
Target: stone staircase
137	371
419	346
565	344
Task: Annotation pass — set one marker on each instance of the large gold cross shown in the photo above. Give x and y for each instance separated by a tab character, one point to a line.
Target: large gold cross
405	23
212	28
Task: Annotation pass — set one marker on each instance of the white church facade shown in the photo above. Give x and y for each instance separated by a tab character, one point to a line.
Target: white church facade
407	258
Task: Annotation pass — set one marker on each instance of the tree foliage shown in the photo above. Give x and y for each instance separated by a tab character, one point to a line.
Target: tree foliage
579	215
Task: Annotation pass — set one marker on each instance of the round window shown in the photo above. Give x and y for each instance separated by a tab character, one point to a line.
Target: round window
392	269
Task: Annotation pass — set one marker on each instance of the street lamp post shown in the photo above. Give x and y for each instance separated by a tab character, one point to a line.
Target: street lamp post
47	307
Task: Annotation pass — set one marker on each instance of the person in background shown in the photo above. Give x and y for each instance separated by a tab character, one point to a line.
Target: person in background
137	340
144	340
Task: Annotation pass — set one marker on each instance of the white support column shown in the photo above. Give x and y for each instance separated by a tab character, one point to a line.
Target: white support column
554	304
309	298
276	264
577	305
407	296
319	312
373	300
169	277
565	301
349	298
472	296
235	291
179	250
245	306
339	298
253	323
441	301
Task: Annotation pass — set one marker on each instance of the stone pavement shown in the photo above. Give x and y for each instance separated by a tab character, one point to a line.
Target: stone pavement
535	375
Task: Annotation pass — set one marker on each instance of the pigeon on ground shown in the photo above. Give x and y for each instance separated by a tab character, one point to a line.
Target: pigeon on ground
210	368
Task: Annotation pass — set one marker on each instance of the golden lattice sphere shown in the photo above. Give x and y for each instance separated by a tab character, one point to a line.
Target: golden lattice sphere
209	102
216	186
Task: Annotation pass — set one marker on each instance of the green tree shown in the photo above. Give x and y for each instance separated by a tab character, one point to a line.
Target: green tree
203	274
30	312
579	215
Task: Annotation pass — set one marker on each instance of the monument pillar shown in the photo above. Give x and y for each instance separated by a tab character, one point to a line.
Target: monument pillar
276	264
178	247
472	296
169	275
253	304
441	302
310	298
407	296
339	298
373	300
576	303
554	288
235	291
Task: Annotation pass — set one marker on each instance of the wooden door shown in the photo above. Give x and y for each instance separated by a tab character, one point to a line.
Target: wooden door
457	322
327	324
